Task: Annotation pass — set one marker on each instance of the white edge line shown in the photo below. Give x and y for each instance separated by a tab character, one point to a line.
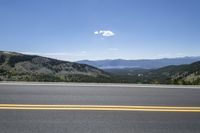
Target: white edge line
98	84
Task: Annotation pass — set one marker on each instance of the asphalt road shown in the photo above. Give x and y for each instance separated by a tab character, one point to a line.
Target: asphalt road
93	121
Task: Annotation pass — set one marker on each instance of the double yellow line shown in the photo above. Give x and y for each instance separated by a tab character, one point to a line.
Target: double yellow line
98	108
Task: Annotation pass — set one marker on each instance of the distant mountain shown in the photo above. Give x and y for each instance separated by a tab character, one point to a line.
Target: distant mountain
181	74
145	63
20	67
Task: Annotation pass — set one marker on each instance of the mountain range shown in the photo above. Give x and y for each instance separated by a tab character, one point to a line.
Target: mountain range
143	63
21	67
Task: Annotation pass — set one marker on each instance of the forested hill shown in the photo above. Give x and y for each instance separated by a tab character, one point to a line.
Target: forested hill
174	74
21	67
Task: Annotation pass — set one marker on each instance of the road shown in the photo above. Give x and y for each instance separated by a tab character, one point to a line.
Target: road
56	119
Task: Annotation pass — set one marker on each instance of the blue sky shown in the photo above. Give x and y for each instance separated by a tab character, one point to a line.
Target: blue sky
101	29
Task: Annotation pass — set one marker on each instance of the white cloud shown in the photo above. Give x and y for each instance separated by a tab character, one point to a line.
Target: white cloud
96	32
106	33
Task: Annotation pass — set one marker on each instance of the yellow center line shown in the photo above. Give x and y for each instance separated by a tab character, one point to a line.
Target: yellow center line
98	107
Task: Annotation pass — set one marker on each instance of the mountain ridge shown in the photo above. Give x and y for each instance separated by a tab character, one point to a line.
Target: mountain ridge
140	63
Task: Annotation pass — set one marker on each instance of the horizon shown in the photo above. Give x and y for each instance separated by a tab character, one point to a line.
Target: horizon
180	57
101	29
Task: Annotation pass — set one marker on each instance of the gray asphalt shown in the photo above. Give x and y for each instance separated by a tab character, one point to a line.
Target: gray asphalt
99	95
21	121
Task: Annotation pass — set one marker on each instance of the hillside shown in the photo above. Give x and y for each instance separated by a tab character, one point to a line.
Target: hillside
20	67
180	74
144	63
